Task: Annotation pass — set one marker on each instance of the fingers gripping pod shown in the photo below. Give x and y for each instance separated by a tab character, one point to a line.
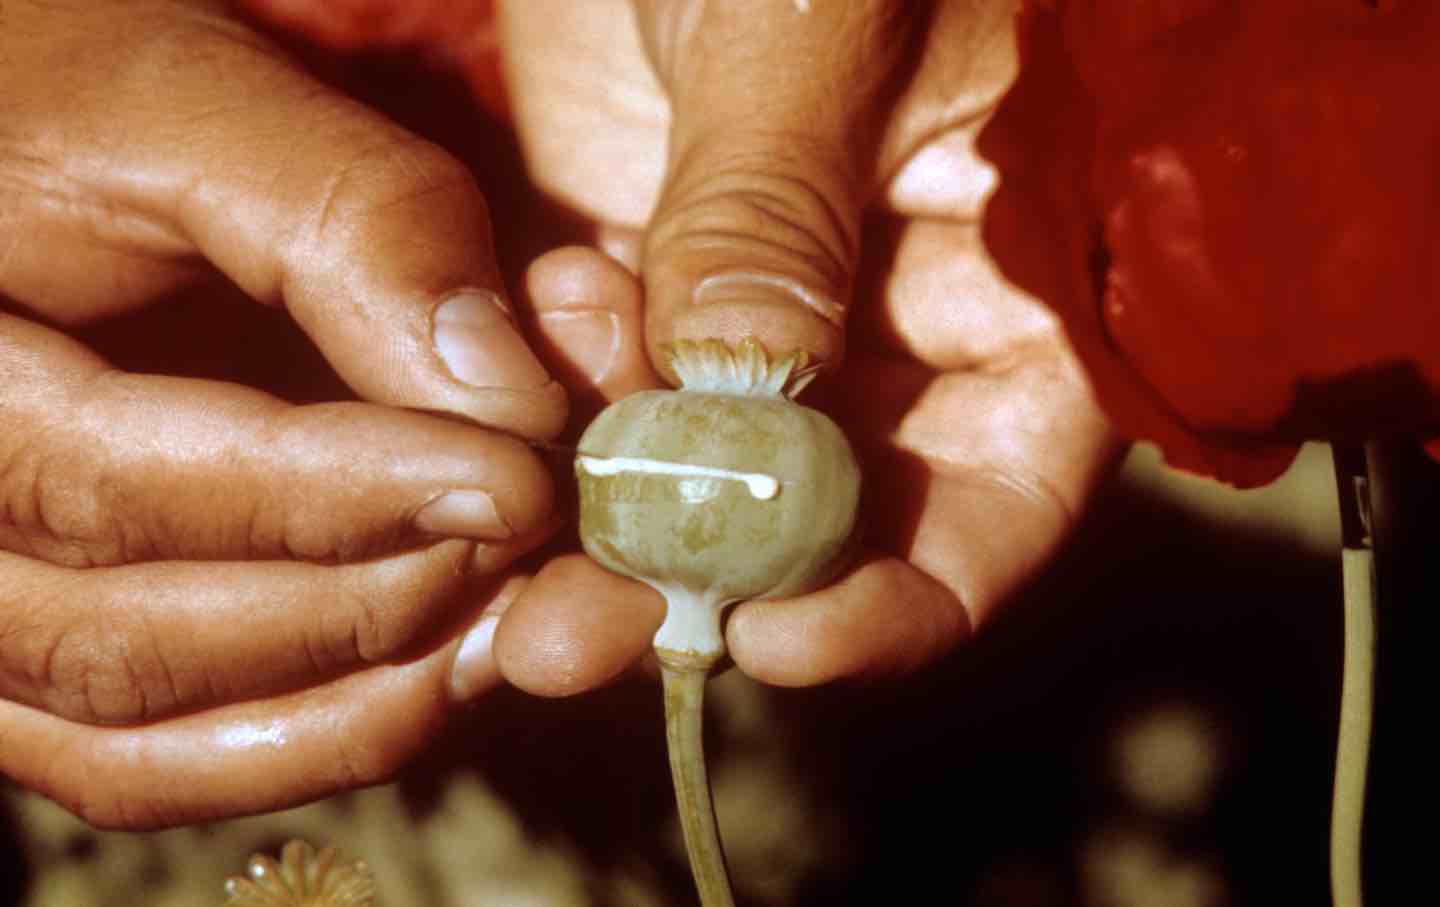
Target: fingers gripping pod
722	491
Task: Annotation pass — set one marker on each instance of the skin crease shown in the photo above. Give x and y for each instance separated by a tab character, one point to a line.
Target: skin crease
210	597
160	537
920	366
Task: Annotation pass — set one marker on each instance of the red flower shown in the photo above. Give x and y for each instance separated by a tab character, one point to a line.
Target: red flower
1234	206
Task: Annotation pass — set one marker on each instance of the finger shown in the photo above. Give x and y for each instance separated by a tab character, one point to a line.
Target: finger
474	670
385	257
756	231
245	758
965	517
138	644
960	540
961	537
884	617
377	242
590	326
967	547
981	443
957	367
105	468
576	627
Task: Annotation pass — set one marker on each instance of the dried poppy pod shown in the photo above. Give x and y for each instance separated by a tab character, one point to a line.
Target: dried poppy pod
722	491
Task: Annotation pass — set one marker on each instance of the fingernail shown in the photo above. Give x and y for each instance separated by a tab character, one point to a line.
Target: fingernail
757	286
474	670
481	346
588	338
466	515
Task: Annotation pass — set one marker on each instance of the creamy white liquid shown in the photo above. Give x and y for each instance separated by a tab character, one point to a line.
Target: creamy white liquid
761	486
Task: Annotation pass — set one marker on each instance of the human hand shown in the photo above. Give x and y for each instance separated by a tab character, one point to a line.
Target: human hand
782	174
213	601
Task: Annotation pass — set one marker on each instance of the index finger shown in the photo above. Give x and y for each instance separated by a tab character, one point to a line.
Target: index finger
203	137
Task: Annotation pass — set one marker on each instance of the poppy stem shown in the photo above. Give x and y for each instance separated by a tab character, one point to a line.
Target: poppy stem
684	692
1360	495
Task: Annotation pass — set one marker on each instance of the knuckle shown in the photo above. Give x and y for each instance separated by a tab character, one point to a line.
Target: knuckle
112	784
402	171
755	201
375	634
89	673
385	609
59	508
323	507
284	529
106	806
375	628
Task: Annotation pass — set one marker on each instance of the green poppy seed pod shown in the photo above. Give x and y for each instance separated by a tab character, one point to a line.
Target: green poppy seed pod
721	491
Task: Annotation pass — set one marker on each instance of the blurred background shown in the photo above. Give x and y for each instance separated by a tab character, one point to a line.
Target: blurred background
1151	725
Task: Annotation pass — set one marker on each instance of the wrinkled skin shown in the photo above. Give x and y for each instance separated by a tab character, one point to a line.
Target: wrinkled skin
958	391
216	601
1246	248
213	601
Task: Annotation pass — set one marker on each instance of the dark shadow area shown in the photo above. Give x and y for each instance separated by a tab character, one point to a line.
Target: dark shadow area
590	769
989	776
997	747
15	871
214	332
1408	567
1384	400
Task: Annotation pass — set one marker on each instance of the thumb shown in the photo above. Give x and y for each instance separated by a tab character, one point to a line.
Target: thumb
775	123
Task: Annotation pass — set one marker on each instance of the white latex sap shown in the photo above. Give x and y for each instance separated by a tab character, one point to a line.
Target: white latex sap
761	486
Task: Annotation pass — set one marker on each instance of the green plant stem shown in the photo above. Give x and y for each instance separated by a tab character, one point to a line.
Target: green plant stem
684	692
1352	749
1364	502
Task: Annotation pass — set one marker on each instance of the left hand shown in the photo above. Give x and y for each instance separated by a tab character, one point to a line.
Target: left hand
214	601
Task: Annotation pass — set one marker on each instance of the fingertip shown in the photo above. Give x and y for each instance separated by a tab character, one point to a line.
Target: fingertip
474	672
492	375
778	312
762	249
577	277
521	485
884	618
772	160
589	315
247	757
575	627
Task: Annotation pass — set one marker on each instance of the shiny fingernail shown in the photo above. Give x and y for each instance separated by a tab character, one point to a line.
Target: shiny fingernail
588	338
753	286
474	670
481	346
466	515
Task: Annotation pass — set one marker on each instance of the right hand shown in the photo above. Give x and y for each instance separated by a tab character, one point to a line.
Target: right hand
787	175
